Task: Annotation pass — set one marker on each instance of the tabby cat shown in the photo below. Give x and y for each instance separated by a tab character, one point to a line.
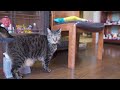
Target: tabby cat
24	50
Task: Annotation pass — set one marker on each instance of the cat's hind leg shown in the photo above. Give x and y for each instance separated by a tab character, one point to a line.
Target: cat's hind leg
15	69
16	74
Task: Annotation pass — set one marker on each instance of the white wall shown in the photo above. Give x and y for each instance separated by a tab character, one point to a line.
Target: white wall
88	15
96	18
92	15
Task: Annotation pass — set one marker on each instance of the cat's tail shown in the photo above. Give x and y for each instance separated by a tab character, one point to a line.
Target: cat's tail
4	33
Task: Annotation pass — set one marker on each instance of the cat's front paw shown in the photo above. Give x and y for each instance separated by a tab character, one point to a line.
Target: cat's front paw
47	70
18	76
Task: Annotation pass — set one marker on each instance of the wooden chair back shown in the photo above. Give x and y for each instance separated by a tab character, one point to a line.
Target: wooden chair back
62	14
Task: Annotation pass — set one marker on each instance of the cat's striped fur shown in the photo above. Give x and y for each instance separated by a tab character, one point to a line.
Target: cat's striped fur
24	50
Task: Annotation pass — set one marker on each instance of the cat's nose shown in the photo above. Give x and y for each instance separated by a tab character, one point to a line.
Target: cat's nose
55	39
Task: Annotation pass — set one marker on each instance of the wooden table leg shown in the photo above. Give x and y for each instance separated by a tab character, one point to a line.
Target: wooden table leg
72	47
100	45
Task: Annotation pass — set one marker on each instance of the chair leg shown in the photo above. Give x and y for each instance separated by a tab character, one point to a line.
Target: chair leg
93	39
72	47
77	41
100	45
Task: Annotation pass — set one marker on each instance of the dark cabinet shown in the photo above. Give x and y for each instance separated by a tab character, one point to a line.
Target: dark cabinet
27	21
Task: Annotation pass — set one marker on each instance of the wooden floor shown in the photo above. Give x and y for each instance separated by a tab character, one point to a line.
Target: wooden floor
87	66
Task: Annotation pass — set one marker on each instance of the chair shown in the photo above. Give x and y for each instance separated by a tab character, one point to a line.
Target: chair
74	30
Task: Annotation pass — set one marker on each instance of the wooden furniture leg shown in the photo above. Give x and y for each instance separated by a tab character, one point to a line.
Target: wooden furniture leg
100	45
94	38
72	47
77	41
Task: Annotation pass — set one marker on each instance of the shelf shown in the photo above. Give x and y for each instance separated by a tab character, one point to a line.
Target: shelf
111	27
111	11
111	41
112	24
27	15
4	12
25	18
14	34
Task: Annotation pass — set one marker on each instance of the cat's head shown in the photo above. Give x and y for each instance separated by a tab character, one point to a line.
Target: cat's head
4	33
53	36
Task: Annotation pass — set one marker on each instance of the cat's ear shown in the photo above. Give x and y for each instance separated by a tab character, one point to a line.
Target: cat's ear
59	30
48	30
